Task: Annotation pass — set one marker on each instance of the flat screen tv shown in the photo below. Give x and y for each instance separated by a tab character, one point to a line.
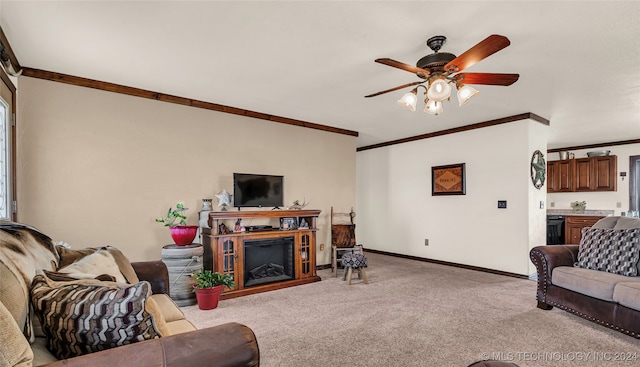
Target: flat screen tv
250	190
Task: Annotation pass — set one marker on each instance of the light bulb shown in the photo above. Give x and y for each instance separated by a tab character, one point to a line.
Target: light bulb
439	90
408	101
465	94
433	107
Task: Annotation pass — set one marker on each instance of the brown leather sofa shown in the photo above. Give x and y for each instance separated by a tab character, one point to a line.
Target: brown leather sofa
226	345
608	299
25	254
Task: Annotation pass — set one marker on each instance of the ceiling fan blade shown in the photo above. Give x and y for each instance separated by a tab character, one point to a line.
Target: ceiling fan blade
392	89
406	67
487	78
485	48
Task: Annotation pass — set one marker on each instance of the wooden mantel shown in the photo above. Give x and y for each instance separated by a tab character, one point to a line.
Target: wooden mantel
224	252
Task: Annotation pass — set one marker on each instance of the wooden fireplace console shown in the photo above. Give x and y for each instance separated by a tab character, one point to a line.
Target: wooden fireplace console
224	253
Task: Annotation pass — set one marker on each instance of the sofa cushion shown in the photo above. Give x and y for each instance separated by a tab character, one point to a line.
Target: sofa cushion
25	252
606	222
170	310
180	326
15	349
86	316
12	296
106	260
41	354
174	320
612	250
627	223
152	307
594	283
628	294
617	223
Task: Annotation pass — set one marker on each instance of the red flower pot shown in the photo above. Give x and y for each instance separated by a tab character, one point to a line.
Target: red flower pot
183	235
208	297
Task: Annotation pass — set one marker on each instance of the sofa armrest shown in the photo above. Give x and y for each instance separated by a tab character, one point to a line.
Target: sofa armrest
225	345
154	272
546	258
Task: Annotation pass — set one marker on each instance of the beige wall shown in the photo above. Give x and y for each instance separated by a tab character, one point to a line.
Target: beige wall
96	168
399	212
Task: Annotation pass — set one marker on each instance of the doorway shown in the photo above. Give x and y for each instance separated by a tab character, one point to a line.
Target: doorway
634	183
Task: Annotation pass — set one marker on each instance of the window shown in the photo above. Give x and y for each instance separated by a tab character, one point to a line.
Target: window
5	184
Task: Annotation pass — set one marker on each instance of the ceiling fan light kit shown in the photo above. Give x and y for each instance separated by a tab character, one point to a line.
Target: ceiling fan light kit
408	101
465	94
432	107
439	89
440	70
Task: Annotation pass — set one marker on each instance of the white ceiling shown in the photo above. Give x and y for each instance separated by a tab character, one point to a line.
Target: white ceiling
579	62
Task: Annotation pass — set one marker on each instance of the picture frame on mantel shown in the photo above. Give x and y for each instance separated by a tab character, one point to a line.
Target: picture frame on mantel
288	223
448	180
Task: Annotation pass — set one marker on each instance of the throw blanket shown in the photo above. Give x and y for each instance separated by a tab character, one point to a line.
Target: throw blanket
26	252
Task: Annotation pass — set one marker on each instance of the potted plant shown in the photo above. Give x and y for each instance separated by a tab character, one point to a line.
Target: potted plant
579	206
181	233
208	287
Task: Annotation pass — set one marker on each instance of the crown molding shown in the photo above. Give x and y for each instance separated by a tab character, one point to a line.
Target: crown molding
143	93
598	145
479	125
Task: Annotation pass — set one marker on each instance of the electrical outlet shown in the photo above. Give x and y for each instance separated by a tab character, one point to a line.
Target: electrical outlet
552	204
541	204
322	247
426	242
502	204
618	204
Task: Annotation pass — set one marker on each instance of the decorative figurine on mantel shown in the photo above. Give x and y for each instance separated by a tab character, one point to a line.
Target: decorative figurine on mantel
203	219
239	227
297	206
224	200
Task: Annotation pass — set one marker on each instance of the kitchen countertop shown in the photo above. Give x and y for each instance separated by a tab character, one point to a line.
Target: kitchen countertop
589	213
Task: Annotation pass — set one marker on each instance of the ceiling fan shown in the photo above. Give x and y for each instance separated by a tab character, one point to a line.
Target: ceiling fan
440	69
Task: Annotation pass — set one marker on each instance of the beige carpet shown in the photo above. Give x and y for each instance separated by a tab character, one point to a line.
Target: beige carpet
414	313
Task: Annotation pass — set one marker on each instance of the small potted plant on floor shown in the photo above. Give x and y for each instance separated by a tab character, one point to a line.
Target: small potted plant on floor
181	233
209	285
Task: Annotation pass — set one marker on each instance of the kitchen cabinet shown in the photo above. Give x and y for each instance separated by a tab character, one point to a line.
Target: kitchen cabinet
605	173
560	176
573	227
583	174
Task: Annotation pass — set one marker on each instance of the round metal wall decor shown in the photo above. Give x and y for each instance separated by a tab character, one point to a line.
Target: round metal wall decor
538	169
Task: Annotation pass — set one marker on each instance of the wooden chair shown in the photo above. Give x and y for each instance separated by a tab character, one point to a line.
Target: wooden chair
343	237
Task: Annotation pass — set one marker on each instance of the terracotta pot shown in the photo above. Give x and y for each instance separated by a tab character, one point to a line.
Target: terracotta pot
183	235
208	297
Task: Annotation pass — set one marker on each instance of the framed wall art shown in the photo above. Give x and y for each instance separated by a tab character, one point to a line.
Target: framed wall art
448	180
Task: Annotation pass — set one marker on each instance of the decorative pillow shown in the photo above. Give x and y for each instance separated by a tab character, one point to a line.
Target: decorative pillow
612	250
91	266
86	316
64	277
68	256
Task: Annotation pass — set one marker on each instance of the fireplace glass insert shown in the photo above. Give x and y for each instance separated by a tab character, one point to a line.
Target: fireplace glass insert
268	260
